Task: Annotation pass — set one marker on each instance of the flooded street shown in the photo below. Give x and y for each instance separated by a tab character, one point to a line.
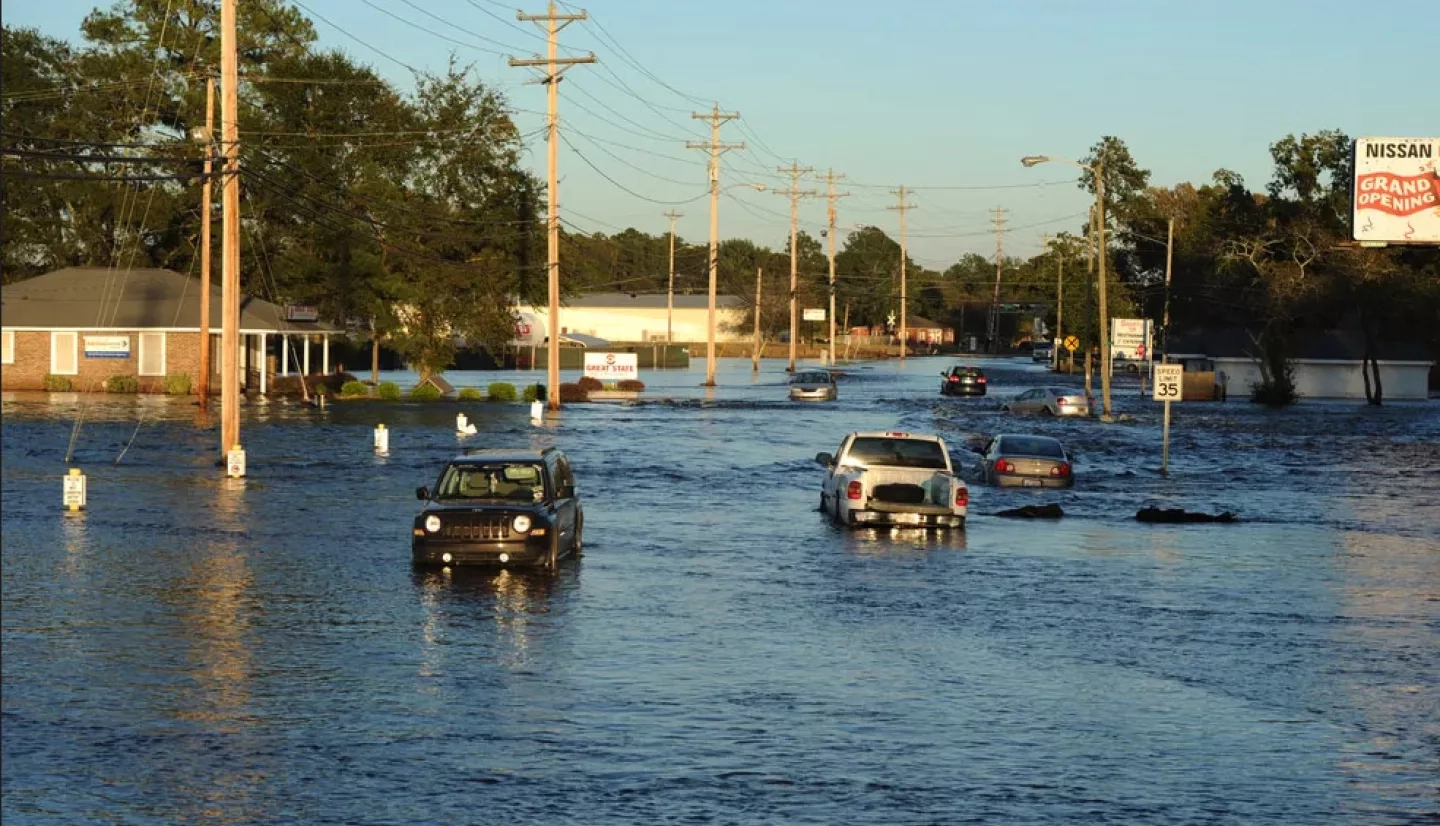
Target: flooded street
193	649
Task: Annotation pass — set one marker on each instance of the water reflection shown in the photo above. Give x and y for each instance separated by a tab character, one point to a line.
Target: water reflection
899	542
511	601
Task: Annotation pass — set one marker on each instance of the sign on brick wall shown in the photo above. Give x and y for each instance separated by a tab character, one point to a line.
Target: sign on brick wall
107	347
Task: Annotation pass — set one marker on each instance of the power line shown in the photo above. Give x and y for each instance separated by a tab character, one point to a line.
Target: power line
621	186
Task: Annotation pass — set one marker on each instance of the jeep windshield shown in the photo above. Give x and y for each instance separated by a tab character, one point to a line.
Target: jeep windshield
508	482
874	451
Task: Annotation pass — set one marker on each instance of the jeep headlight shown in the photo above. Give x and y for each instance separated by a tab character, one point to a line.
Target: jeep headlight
432	523
521	524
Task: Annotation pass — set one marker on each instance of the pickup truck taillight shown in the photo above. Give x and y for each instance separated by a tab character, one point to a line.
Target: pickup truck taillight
962	497
854	490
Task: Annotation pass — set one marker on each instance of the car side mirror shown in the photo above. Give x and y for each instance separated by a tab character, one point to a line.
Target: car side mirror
567	492
824	459
422	493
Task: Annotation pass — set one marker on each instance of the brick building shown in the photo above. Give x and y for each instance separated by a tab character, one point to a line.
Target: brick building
87	324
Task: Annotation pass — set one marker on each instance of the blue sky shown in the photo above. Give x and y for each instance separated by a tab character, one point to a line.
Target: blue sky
939	96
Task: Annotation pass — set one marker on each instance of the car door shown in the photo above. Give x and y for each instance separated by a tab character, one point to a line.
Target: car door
987	462
1031	401
830	492
566	504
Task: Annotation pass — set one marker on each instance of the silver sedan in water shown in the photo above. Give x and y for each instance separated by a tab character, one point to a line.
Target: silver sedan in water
1027	462
812	385
1050	401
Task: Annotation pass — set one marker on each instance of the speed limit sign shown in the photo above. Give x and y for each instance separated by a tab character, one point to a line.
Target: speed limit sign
1169	382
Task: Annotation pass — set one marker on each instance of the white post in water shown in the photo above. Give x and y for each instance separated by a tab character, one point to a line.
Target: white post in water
235	462
382	439
537	412
73	497
1169	386
461	421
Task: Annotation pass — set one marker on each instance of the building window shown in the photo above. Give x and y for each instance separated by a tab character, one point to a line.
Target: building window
64	354
7	347
152	354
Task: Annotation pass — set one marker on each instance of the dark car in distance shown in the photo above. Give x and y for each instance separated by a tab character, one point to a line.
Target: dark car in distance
500	508
963	381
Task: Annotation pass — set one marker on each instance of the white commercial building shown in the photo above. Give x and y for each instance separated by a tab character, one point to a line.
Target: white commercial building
638	317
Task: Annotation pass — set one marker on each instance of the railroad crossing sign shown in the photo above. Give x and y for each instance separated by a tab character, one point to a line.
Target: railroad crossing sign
1169	383
1072	343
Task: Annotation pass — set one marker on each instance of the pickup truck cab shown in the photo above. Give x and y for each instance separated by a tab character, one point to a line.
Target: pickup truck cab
889	478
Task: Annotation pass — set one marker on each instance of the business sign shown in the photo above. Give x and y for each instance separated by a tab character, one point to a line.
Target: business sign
1397	190
612	366
811	314
1129	337
301	312
1169	383
107	347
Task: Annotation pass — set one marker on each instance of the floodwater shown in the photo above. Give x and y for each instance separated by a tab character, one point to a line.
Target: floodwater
192	649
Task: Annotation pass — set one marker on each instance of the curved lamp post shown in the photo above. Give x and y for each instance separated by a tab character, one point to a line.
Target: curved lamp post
1097	169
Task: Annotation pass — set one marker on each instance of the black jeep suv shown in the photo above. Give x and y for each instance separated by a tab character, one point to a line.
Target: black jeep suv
505	508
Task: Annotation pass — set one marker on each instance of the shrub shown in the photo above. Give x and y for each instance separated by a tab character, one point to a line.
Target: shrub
469	394
500	391
630	385
177	385
535	393
574	393
354	388
424	393
122	384
388	390
588	383
57	384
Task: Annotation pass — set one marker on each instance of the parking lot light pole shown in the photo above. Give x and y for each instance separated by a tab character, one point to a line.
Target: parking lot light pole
1097	169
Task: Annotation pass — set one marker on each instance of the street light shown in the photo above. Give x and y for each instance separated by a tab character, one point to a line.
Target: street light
714	275
1097	169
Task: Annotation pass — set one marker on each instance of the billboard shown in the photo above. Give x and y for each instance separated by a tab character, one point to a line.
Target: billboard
813	314
612	366
1129	338
1397	191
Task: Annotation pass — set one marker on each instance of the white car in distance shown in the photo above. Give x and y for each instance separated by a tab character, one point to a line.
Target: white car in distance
890	478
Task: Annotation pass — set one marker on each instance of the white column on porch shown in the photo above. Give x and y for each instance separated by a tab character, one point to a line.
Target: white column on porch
264	366
305	359
325	355
284	355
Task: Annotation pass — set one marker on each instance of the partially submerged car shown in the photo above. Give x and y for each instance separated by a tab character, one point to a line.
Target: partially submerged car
813	385
506	508
893	479
963	380
1050	401
1013	460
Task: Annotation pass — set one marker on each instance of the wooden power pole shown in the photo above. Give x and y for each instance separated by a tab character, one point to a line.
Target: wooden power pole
230	233
552	22
999	267
755	359
795	170
903	207
206	204
670	299
830	196
716	117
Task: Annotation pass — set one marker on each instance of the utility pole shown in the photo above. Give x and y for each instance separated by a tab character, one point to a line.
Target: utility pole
1059	306
206	203
670	300
230	233
716	117
554	67
1105	353
1169	260
1089	299
795	193
903	207
999	264
755	359
830	196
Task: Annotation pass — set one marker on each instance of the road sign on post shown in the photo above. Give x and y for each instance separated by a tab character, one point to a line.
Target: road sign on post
1169	387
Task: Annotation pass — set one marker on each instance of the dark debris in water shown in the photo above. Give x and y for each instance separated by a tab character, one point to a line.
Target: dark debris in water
1050	511
1180	516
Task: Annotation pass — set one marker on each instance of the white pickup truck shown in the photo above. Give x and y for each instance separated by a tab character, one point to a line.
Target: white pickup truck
889	478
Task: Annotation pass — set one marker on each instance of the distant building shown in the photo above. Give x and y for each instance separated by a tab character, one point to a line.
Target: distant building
637	317
918	330
1327	363
88	324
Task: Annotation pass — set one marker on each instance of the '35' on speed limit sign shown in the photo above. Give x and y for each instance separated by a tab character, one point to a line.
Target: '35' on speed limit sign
1169	382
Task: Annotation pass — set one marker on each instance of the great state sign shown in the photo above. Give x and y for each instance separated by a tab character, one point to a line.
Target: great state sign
612	366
